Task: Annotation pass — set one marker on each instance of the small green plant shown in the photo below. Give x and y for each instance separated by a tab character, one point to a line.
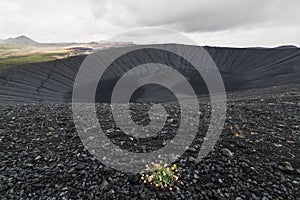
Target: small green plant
161	176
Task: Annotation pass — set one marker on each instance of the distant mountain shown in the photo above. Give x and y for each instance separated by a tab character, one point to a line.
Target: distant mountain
22	40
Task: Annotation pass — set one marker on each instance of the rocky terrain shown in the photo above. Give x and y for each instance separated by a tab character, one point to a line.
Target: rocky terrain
256	157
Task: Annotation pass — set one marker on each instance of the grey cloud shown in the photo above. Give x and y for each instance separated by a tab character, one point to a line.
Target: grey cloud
197	15
215	22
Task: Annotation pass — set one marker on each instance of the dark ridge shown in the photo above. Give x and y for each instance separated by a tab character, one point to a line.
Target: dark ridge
287	47
241	68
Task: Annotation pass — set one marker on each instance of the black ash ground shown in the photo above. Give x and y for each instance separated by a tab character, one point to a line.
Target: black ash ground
42	156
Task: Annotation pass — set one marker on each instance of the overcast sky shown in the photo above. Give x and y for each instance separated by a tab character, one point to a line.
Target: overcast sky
209	22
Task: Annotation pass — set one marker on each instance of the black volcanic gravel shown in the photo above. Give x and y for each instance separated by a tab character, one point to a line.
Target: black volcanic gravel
42	156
